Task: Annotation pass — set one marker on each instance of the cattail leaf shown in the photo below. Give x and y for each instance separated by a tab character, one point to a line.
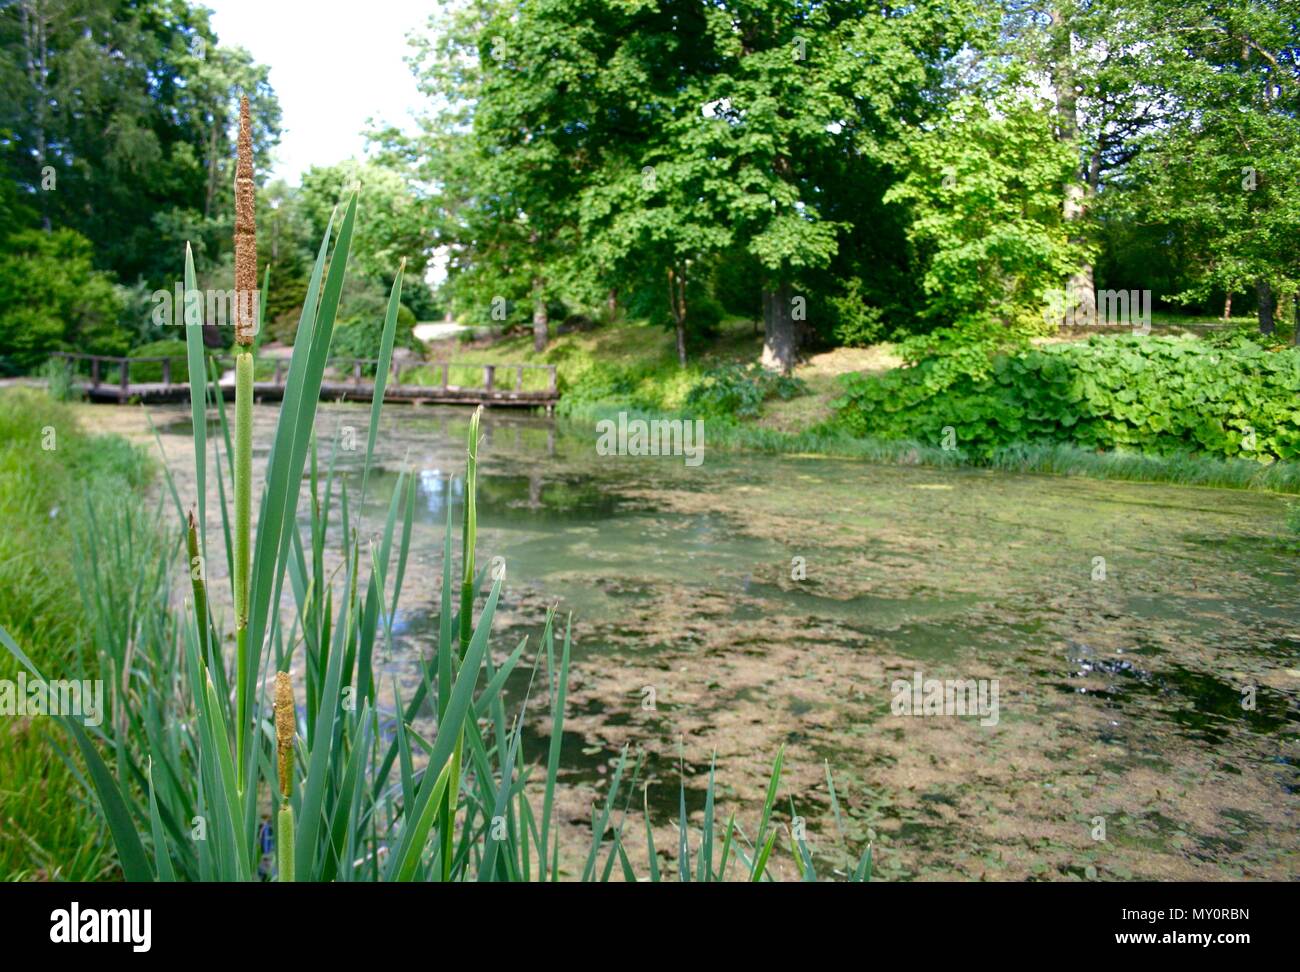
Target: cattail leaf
598	831
557	732
161	856
198	397
650	837
449	727
381	372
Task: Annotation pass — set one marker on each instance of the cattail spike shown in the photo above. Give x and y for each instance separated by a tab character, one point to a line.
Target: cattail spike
245	234
286	721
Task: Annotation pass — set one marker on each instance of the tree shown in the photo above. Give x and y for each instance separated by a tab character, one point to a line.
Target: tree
1219	172
500	159
52	299
636	137
115	119
986	224
1099	59
396	228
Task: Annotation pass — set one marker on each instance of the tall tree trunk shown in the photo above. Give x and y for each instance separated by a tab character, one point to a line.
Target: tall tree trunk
1267	305
611	304
677	302
1082	303
780	340
540	321
38	75
211	194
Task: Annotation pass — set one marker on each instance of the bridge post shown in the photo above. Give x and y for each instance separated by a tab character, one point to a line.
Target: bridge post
125	379
489	377
94	372
445	368
356	373
167	372
553	386
519	378
279	366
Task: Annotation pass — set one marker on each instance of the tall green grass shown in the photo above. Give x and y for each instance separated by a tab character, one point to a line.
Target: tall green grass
191	767
54	477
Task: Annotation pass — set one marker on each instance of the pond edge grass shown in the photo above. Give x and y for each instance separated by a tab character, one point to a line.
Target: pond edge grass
827	440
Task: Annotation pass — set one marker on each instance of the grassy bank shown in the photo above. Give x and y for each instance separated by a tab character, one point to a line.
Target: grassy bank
49	471
629	367
829	439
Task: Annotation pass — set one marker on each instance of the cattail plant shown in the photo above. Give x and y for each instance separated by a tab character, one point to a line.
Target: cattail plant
245	329
286	720
376	800
468	542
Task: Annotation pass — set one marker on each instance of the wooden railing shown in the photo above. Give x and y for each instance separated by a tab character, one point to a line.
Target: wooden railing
357	369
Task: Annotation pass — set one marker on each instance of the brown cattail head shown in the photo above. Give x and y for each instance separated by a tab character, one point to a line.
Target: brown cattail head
245	234
286	721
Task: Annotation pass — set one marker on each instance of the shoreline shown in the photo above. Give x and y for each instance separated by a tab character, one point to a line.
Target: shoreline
824	441
1058	460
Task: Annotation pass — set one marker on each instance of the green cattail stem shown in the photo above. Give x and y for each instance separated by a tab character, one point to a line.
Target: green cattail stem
284	837
243	539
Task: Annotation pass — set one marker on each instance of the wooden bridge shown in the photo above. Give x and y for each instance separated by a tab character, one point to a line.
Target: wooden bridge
108	379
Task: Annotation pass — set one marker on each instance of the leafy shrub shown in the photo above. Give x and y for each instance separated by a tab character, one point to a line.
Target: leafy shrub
982	191
284	300
1154	394
153	370
597	387
857	323
52	299
703	321
597	384
733	391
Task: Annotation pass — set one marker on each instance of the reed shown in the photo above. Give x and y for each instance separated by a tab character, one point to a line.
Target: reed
245	329
358	790
285	733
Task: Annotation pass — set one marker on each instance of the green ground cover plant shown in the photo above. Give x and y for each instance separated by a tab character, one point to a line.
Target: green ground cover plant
733	391
1160	395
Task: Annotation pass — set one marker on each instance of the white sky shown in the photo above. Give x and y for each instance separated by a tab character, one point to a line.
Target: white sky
334	64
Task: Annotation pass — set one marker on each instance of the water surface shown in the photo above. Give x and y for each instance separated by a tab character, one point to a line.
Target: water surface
1125	625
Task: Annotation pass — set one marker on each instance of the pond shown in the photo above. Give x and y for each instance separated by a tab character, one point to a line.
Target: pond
1141	642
